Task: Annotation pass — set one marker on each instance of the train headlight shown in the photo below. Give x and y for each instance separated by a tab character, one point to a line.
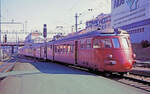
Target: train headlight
134	56
110	56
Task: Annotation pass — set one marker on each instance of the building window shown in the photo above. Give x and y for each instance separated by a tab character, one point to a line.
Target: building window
139	30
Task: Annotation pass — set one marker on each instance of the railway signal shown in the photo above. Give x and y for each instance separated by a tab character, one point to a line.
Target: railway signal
45	31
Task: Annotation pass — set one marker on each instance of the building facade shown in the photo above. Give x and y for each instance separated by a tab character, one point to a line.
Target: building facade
132	16
34	37
101	22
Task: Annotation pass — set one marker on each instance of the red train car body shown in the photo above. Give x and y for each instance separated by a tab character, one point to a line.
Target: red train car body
111	52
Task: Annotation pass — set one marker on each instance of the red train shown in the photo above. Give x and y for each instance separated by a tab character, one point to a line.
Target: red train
110	52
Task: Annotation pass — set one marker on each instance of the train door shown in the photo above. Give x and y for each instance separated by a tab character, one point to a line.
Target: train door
76	52
40	51
53	51
34	52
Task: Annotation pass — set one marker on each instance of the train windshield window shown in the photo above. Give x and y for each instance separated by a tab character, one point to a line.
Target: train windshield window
125	43
116	43
106	43
96	43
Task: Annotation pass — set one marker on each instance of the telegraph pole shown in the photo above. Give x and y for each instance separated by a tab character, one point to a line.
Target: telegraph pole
76	22
0	32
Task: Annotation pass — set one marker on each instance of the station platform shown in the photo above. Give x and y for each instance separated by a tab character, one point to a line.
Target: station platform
143	61
29	77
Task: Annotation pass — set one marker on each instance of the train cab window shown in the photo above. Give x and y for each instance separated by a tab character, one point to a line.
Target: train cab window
116	43
96	43
129	42
106	43
125	42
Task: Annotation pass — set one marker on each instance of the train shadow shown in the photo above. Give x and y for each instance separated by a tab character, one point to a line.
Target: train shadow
54	68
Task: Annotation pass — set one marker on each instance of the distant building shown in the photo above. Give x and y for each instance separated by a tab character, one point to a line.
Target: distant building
133	16
34	37
101	22
58	36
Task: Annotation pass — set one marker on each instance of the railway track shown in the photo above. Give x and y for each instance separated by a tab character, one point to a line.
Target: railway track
137	81
131	80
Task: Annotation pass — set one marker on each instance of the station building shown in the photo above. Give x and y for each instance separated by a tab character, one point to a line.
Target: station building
132	16
34	37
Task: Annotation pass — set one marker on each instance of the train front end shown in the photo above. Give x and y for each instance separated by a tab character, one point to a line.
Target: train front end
117	53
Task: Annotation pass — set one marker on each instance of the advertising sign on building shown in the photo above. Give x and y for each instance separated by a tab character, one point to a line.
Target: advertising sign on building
102	22
125	12
132	16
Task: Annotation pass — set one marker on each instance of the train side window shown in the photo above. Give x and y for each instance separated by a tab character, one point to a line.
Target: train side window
51	46
61	48
58	50
71	48
106	43
116	43
82	44
88	43
96	43
55	48
64	48
68	48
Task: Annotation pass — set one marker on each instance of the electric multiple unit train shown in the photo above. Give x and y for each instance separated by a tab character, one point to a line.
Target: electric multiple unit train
106	52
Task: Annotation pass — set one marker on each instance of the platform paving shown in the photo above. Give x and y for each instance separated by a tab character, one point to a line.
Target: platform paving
49	78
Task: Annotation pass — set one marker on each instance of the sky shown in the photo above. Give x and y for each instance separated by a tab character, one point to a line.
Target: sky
51	12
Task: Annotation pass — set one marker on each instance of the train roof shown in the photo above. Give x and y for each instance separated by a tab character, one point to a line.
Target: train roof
91	34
